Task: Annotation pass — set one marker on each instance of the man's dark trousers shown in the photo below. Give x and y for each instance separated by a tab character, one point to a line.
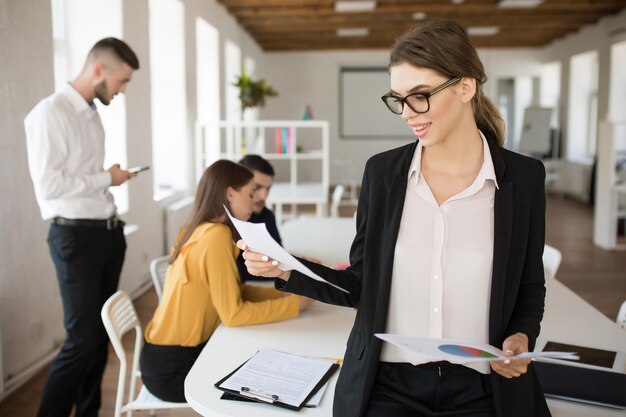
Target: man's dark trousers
88	262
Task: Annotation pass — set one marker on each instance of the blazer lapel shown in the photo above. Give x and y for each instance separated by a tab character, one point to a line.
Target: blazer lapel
503	231
395	204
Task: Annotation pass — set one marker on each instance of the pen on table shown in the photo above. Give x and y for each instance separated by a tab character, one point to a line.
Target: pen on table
338	360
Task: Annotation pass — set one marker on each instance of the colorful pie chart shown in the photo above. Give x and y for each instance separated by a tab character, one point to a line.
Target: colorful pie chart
465	351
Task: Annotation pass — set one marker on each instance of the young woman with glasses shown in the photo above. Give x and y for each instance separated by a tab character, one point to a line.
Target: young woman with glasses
449	243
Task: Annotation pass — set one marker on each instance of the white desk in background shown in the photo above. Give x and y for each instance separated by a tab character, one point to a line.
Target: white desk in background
327	239
323	330
303	193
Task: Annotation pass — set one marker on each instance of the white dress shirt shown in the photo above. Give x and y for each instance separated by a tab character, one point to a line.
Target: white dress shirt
441	280
65	142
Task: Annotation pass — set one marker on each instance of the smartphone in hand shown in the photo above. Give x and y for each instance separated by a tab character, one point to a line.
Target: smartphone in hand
135	170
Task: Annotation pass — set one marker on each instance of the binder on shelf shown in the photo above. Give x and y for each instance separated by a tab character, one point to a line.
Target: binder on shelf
278	139
265	378
285	133
289	140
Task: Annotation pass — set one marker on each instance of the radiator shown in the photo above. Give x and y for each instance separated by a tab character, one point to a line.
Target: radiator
176	215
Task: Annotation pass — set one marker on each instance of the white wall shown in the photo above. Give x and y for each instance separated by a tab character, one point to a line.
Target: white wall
30	307
313	78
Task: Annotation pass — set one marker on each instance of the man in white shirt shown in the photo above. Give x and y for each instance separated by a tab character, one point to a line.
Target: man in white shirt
65	142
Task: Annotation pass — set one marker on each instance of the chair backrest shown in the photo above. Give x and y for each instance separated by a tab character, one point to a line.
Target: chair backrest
335	200
551	261
158	270
621	316
119	317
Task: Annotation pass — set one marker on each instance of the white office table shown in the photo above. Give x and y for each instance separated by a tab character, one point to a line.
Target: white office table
322	330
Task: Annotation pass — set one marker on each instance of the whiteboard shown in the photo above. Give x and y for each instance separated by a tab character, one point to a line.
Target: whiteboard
362	114
536	135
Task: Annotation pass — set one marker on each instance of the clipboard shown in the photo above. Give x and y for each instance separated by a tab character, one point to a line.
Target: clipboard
250	394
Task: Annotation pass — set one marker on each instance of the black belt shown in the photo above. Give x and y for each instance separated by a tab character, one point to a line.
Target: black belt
109	224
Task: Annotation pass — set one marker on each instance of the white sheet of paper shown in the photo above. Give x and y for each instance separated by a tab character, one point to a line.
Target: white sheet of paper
461	352
314	401
290	377
259	240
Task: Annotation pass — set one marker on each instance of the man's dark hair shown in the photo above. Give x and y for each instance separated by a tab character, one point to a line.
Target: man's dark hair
118	48
256	163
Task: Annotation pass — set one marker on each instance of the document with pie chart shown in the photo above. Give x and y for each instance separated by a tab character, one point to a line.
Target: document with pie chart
461	352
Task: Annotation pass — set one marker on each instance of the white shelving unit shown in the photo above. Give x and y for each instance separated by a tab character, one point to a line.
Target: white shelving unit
234	139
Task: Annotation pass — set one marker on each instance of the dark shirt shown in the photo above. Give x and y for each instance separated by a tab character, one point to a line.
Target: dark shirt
266	216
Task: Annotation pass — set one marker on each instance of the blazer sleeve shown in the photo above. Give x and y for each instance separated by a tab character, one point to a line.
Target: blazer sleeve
529	305
349	279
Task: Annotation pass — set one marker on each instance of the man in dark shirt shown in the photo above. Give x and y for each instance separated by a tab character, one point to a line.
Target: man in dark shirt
263	178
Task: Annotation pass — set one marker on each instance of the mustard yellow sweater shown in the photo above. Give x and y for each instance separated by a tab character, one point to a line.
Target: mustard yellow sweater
202	289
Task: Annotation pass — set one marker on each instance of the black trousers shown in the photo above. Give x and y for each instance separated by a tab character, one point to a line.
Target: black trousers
88	262
164	369
434	389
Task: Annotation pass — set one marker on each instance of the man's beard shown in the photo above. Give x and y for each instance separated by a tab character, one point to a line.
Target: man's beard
102	93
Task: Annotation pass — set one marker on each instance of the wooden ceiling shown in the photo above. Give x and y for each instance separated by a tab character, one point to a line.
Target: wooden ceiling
300	25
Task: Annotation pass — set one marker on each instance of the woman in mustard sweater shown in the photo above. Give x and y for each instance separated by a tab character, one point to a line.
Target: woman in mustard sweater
202	286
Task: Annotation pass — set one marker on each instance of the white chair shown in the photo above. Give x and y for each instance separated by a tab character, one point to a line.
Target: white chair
335	200
119	317
158	269
621	316
551	261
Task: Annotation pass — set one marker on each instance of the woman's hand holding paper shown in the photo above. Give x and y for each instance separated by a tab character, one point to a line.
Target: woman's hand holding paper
512	368
261	265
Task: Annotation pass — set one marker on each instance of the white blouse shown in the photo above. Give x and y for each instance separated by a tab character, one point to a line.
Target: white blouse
441	280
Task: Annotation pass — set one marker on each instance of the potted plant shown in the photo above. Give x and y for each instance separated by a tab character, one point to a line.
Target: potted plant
252	93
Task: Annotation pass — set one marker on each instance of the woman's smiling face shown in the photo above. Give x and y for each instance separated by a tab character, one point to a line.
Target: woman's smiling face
445	109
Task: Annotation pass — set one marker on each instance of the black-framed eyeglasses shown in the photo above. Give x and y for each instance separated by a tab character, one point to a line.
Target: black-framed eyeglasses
418	102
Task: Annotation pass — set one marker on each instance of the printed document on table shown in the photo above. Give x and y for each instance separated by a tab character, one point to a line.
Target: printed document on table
461	352
287	378
259	240
314	401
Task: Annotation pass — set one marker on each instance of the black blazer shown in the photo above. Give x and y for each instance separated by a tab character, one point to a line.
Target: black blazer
517	289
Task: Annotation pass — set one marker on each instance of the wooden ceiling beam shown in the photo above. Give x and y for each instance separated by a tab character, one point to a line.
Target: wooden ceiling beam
313	26
426	4
329	44
445	9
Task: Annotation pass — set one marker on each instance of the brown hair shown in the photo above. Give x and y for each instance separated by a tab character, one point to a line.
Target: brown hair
445	47
211	198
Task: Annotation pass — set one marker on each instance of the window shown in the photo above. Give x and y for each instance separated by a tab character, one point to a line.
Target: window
617	89
550	90
250	115
76	26
232	54
208	87
582	111
170	142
